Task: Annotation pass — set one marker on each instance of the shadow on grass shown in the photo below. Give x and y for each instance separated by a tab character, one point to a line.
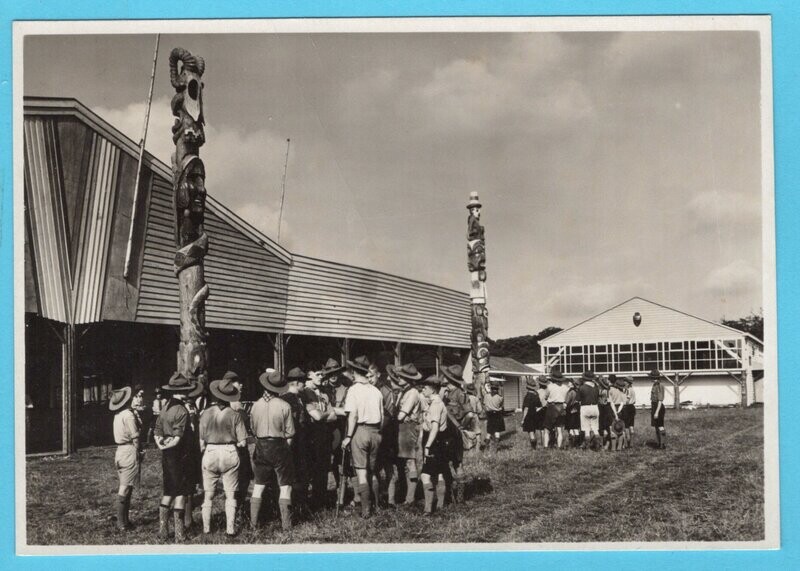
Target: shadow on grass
477	487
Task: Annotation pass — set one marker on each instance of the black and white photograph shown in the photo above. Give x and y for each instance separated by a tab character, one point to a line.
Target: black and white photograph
395	284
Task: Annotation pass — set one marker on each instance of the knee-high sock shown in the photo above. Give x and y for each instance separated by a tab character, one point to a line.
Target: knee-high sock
392	488
364	492
441	492
163	521
180	525
430	494
411	490
286	513
187	510
206	513
230	515
255	507
121	512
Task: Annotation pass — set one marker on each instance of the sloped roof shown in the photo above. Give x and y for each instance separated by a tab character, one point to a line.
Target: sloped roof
508	365
659	323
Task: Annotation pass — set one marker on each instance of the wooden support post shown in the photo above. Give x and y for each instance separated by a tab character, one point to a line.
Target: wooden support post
345	351
68	384
676	391
398	354
279	350
439	365
743	385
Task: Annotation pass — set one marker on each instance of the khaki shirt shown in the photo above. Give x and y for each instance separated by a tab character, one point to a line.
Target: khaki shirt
436	413
556	393
272	418
657	392
493	403
222	425
616	396
173	421
410	404
631	394
126	427
366	401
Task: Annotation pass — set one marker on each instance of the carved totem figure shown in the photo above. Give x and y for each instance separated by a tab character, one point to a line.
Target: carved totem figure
476	263
189	199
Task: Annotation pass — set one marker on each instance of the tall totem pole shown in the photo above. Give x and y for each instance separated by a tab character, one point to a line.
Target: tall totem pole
476	262
189	199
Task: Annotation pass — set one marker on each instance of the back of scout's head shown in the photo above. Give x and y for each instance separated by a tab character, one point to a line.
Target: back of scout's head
274	383
361	369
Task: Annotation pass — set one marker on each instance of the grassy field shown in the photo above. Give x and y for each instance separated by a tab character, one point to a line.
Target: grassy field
707	486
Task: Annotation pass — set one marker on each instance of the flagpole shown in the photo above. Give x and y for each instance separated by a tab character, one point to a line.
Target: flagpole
139	163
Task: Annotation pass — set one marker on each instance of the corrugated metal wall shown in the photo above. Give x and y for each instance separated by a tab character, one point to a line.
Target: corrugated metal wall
326	298
95	229
248	284
45	212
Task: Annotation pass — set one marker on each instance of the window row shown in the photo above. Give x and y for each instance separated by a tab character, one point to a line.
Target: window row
642	357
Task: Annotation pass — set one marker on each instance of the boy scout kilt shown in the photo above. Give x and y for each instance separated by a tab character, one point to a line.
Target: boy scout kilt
180	471
555	415
628	414
656	420
495	422
529	424
573	420
408	440
606	417
438	456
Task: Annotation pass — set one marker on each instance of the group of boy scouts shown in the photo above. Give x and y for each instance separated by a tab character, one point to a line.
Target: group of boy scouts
380	437
589	411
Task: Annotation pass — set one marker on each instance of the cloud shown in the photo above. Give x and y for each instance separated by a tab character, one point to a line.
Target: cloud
724	208
243	169
575	302
735	279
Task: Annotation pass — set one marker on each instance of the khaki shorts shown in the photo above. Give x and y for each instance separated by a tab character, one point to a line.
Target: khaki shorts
221	461
126	461
364	447
590	419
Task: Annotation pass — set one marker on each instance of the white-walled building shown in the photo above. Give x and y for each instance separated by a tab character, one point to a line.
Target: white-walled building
704	362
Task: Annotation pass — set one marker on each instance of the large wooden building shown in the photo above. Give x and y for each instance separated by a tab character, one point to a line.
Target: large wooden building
101	299
702	362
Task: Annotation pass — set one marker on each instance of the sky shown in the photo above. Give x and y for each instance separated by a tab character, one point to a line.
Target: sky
610	165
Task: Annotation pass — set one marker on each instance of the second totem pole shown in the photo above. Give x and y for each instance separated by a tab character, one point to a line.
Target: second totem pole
189	198
476	263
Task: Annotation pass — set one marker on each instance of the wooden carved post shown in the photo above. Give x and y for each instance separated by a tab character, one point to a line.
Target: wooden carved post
476	263
189	197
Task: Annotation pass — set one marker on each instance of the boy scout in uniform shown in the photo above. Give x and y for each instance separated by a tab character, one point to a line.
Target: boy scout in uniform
435	445
273	426
657	409
364	406
409	410
458	410
322	417
296	380
222	432
174	436
245	466
128	458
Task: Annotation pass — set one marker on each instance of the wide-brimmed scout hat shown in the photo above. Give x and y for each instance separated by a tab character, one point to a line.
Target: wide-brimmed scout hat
119	398
199	389
556	375
588	375
360	364
603	382
432	381
332	367
618	426
453	375
408	373
394	379
620	383
224	389
532	383
654	374
473	200
296	375
230	375
274	382
179	384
